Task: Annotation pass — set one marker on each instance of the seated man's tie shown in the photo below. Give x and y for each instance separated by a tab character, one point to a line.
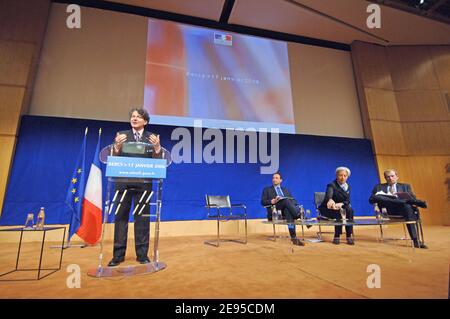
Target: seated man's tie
279	191
391	189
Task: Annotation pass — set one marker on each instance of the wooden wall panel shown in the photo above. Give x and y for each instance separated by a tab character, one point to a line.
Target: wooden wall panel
6	152
427	138
447	197
429	183
11	98
20	20
22	27
388	138
409	123
381	104
441	62
373	83
422	105
372	64
411	68
15	62
365	119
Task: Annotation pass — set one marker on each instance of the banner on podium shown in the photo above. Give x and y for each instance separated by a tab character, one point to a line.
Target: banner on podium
135	167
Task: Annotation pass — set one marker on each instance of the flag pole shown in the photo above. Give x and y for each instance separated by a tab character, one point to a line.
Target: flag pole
99	136
68	244
68	238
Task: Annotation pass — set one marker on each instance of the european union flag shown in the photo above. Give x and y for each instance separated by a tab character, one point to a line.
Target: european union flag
75	192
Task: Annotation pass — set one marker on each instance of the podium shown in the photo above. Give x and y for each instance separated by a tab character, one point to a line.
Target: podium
135	169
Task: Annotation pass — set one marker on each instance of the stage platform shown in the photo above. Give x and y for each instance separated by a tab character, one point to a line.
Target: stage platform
260	269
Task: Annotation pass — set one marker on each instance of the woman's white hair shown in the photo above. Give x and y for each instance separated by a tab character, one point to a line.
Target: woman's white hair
343	168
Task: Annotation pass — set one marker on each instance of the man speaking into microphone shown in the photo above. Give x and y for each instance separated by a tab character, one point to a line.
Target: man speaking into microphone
139	118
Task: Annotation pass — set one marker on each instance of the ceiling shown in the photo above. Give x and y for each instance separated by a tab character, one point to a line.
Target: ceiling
436	9
403	22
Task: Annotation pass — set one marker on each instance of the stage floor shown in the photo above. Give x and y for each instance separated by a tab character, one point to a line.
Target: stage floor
260	269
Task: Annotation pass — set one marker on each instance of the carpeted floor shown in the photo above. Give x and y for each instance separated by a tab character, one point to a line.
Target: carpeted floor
260	269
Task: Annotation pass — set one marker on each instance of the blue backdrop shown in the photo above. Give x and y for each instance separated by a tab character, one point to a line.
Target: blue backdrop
47	149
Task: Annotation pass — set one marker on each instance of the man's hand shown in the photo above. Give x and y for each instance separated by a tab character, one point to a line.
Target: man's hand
275	200
154	139
331	204
118	141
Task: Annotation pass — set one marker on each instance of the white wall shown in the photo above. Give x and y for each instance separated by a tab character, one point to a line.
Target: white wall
96	72
324	92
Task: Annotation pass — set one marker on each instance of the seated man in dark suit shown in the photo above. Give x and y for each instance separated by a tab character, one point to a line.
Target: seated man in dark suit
284	201
383	196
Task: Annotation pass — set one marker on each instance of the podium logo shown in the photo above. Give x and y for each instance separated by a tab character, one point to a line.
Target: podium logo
74	279
374	279
237	146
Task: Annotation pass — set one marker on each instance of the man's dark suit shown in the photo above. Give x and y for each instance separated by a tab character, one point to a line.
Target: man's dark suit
338	195
397	206
288	207
141	224
401	188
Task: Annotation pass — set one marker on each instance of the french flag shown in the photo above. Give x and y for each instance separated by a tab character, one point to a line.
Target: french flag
91	217
223	38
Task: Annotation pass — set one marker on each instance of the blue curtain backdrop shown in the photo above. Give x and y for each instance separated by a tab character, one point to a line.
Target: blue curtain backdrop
47	149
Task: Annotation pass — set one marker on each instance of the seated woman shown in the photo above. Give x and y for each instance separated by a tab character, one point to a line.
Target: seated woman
337	198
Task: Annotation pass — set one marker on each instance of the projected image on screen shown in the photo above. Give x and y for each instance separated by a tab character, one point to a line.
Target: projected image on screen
226	79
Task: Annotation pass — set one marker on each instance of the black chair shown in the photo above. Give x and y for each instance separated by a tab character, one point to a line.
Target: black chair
221	209
318	199
418	224
385	217
269	210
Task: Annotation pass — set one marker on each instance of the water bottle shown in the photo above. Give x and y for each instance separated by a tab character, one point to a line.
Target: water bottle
302	212
279	215
343	215
40	219
30	221
377	212
274	215
308	214
384	213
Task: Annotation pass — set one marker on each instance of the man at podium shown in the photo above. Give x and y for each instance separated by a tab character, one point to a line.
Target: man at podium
139	118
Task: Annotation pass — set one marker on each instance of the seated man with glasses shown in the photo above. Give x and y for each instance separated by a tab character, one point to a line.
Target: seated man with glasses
398	199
